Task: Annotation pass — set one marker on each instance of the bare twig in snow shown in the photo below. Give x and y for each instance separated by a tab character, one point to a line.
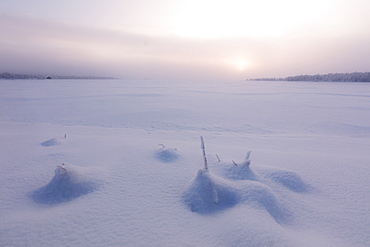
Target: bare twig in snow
218	158
204	153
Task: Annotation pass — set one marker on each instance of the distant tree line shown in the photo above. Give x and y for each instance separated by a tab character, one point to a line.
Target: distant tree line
12	76
332	77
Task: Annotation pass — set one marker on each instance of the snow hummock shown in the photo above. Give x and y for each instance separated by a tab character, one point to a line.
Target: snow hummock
68	183
238	170
209	193
289	179
54	141
166	155
109	183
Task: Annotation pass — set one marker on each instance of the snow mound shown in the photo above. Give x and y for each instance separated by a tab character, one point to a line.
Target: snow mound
239	185
263	197
52	142
237	170
166	155
242	171
288	179
68	183
209	194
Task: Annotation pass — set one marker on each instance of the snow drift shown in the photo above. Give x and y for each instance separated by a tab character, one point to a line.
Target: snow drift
288	179
166	155
208	193
237	170
68	183
52	142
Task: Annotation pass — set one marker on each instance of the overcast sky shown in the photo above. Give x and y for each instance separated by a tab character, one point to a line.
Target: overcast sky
189	39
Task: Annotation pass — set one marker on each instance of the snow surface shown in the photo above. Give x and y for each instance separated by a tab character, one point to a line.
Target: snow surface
130	171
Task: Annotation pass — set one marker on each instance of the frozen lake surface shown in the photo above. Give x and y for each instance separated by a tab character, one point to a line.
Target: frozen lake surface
133	168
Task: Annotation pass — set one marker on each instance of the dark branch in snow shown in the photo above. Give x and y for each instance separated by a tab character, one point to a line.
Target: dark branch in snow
204	153
218	158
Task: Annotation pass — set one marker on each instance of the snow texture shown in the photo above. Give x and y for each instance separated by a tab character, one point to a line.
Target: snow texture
305	183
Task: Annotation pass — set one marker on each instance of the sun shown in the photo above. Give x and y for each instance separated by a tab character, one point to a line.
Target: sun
241	65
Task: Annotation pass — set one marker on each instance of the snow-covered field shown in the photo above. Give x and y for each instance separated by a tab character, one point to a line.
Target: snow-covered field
133	172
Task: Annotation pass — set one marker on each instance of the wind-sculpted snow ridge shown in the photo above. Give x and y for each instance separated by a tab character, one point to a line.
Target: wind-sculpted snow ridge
209	194
166	155
68	183
51	142
242	171
239	184
288	179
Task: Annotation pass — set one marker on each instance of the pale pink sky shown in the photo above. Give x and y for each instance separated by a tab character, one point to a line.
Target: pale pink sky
193	39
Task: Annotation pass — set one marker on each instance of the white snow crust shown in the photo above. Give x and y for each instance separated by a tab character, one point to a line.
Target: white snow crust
130	171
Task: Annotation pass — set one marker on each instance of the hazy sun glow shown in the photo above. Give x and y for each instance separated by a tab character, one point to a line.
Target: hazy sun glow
241	65
238	64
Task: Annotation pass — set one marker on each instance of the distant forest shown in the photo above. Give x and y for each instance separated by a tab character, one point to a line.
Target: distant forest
11	76
337	77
